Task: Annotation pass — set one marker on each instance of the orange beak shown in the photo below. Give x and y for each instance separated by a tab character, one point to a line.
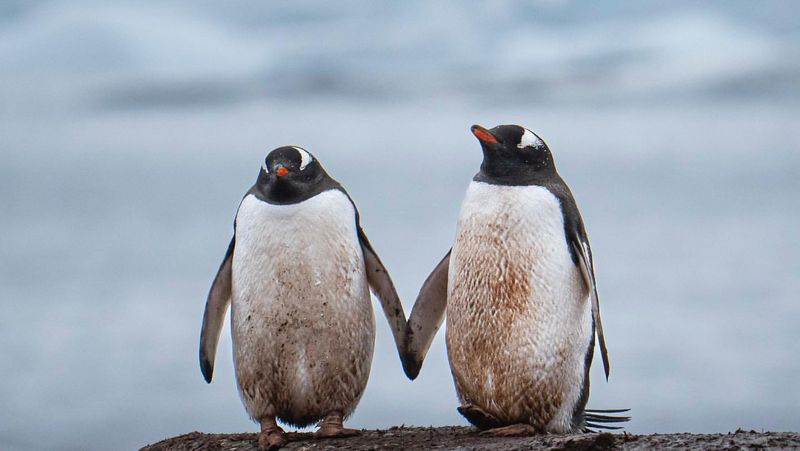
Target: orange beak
483	135
281	171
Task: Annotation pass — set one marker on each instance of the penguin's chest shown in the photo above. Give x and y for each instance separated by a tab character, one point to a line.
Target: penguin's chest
301	256
301	312
517	306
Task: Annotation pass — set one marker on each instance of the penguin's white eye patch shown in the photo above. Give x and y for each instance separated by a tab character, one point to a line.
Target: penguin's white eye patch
305	157
529	139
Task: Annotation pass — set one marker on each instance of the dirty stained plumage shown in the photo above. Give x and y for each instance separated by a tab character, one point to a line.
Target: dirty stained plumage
519	296
298	275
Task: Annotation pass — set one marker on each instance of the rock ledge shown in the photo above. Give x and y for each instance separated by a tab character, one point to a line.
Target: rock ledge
465	438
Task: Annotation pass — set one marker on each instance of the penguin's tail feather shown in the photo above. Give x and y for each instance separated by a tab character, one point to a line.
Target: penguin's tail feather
604	419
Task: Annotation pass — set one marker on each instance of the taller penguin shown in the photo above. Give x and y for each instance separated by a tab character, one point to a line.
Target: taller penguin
298	274
519	294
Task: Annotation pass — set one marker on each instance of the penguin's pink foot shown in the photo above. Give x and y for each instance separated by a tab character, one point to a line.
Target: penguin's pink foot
479	417
272	436
331	427
514	430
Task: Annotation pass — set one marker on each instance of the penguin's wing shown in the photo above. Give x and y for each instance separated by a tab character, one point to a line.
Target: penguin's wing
426	317
381	284
216	305
580	246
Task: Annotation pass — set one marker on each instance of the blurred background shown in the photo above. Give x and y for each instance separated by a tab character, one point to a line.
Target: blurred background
130	130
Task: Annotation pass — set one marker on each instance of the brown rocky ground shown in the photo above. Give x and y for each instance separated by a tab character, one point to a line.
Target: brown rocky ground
465	438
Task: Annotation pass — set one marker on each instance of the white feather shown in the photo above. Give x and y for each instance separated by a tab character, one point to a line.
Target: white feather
294	267
547	340
266	232
305	157
529	139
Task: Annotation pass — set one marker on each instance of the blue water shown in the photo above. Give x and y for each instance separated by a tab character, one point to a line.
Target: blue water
129	132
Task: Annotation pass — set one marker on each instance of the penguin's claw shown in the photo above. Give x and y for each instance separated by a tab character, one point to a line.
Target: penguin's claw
514	430
479	417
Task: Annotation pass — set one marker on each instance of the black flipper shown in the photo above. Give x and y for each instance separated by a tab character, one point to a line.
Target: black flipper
219	297
381	284
583	251
426	317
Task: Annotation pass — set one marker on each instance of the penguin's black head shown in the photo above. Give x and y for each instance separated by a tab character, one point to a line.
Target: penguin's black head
513	155
291	174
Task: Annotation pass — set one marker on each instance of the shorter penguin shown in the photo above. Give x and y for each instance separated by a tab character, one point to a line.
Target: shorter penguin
298	274
520	298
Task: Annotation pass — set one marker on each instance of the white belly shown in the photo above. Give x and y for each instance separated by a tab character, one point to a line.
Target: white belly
518	316
302	322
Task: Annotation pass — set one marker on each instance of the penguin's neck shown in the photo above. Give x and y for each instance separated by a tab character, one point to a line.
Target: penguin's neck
514	174
288	193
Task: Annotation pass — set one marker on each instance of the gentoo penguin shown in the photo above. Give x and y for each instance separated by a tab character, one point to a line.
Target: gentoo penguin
298	274
519	295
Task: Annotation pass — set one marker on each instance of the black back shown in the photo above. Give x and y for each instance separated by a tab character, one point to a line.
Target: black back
297	184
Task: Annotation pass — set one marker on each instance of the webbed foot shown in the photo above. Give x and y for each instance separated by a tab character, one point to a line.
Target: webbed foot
479	417
514	430
331	427
272	437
